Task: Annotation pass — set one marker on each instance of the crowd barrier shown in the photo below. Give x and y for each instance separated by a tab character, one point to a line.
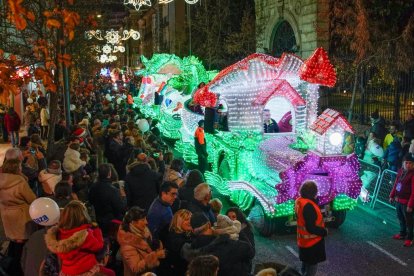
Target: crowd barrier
384	188
370	175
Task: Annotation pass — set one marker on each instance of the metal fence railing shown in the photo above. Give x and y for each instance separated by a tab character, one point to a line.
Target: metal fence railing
370	175
384	187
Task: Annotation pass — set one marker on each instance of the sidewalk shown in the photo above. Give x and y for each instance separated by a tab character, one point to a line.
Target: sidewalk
3	148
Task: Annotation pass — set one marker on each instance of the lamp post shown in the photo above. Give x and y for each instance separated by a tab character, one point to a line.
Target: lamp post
189	28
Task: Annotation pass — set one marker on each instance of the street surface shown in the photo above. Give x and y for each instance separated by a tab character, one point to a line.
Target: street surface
361	246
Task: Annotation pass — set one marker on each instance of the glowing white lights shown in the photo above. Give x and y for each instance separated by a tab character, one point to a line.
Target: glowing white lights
137	4
113	37
106	59
336	139
106	49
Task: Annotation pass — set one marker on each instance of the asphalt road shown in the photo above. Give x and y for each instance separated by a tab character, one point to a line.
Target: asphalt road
361	246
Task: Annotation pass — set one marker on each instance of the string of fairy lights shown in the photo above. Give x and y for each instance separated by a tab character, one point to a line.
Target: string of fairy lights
113	37
138	4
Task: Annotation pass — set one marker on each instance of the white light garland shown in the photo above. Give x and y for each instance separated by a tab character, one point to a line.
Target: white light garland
106	58
113	37
137	4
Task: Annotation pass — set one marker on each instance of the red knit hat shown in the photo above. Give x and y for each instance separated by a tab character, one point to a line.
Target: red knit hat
80	132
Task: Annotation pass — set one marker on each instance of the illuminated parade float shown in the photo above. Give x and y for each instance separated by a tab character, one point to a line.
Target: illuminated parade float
167	83
262	172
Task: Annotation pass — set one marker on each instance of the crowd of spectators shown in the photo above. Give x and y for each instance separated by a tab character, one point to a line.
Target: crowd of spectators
128	205
382	146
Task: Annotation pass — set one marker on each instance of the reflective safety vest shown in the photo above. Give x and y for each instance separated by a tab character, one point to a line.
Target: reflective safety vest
306	239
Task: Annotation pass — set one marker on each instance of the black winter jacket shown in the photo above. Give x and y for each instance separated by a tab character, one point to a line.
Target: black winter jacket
107	202
234	255
196	207
142	185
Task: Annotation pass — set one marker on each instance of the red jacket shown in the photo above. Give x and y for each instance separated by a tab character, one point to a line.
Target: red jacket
12	122
76	247
404	194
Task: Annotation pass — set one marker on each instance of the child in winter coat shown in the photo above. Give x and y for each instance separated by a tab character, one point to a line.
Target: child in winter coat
72	161
227	226
50	177
76	241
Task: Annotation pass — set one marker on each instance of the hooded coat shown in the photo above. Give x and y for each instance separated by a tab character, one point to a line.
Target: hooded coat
15	199
49	181
72	161
76	248
142	185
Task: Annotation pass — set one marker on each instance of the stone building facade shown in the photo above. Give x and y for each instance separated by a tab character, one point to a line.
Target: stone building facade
297	26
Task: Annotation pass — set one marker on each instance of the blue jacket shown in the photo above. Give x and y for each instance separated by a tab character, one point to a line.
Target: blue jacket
159	218
392	152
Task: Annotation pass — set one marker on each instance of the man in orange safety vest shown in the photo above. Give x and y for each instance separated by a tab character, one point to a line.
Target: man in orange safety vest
200	146
310	229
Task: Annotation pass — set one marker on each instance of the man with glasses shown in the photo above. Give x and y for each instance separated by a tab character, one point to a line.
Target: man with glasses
160	213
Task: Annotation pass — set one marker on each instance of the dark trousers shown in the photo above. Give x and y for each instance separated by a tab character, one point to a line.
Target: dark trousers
406	221
202	162
309	269
5	134
44	132
15	251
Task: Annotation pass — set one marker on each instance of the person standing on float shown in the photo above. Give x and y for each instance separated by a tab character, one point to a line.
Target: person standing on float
201	147
310	229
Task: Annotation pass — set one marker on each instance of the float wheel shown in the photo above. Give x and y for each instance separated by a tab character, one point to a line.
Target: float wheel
339	216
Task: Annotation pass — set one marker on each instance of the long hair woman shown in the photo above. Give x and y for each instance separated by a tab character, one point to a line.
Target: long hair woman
15	199
134	239
180	233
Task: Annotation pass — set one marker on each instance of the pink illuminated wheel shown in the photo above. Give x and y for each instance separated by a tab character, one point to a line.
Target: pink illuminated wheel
339	216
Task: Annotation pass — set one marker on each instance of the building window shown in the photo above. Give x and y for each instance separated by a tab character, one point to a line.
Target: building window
283	39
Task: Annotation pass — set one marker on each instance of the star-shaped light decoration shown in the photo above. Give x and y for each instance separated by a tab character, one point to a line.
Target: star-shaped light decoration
106	49
138	3
112	36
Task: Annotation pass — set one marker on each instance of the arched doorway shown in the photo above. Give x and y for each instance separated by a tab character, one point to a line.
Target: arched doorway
284	39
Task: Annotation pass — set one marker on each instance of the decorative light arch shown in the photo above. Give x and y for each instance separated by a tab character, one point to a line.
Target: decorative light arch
113	37
137	4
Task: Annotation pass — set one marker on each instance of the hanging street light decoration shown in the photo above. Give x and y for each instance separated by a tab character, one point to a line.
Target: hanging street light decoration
106	58
137	4
113	37
106	52
108	49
